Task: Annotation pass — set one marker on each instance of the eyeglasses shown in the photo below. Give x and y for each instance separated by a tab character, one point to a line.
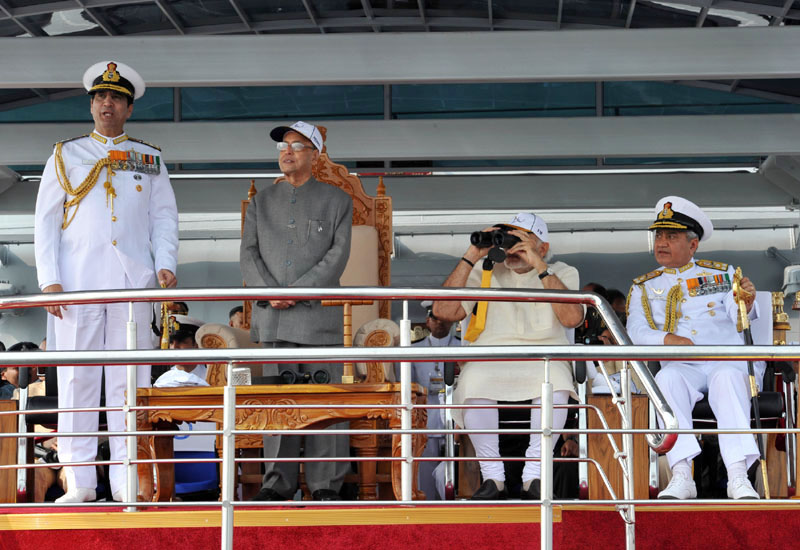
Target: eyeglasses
295	145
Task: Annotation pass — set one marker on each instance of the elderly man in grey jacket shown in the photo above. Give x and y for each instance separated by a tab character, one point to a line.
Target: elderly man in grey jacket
297	233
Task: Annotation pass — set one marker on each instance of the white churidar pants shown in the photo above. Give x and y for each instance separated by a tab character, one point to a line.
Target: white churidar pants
488	445
728	389
96	327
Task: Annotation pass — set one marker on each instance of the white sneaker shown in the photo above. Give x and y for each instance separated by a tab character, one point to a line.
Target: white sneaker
78	495
680	487
740	488
119	496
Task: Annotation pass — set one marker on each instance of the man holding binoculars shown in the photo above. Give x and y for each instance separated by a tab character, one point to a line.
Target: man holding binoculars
515	255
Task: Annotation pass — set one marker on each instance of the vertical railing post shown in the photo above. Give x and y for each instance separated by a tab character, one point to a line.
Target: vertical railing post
546	458
131	486
228	459
627	448
406	472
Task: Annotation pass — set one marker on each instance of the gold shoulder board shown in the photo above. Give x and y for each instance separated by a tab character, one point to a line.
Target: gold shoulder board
145	143
719	266
647	277
70	139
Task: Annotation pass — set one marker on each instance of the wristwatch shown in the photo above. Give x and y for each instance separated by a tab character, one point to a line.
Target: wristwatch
545	273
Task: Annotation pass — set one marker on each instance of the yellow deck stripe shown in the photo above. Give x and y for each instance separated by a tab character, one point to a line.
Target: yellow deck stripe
264	518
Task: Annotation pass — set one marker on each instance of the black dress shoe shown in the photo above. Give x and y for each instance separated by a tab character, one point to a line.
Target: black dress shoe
267	494
534	492
489	491
325	494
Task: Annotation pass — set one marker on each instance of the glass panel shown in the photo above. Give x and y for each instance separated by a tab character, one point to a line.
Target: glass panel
136	18
749	161
661	98
156	104
272	7
205	12
596	9
512	8
230	166
269	102
493	100
514	163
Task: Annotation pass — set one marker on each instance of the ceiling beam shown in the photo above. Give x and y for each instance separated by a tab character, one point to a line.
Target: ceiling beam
242	14
28	27
370	15
629	18
170	14
453	139
650	54
313	16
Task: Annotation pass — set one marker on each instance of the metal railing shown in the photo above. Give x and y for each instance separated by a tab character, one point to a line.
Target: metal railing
403	354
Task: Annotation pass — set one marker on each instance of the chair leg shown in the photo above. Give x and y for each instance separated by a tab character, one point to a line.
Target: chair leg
30	474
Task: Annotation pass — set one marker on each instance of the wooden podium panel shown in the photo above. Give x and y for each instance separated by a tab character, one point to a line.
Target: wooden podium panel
599	448
8	452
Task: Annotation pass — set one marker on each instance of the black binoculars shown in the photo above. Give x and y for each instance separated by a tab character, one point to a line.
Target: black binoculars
317	377
500	238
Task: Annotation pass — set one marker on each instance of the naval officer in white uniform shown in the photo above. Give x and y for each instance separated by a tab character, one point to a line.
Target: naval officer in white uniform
105	219
690	302
430	374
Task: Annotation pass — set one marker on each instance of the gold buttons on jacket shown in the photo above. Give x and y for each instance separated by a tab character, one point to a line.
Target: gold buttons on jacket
113	218
712	313
694	332
114	242
683	300
139	188
711	304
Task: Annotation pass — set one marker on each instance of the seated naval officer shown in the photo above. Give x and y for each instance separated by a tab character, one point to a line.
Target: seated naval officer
182	331
526	265
690	302
430	374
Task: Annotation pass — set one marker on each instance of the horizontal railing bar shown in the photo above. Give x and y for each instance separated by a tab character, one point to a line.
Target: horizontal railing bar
295	293
565	504
399	431
397	354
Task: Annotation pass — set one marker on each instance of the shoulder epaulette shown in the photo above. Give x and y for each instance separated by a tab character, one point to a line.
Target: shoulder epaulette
70	139
647	277
712	265
145	143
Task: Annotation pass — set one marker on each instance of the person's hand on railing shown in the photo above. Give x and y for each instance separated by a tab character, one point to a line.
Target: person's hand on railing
54	310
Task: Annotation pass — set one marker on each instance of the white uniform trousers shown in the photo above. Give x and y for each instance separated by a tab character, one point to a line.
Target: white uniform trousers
728	390
488	445
96	327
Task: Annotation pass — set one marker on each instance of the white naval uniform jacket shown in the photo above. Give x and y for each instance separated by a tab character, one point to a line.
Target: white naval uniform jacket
100	248
706	314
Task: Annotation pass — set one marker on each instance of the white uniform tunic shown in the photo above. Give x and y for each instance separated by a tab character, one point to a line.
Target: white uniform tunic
430	374
102	249
705	312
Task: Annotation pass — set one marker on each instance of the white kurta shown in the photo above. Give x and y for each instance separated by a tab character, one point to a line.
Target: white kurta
706	314
102	249
515	323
